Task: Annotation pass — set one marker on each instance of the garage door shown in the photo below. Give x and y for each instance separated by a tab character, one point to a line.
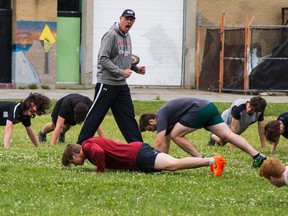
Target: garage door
157	37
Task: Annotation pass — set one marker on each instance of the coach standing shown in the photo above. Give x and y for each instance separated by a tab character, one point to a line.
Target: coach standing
111	91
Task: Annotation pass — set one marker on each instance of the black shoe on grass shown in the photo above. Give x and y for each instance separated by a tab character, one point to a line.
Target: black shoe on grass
258	161
211	142
41	137
61	138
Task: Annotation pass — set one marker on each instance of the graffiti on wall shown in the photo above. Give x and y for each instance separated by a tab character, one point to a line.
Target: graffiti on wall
30	56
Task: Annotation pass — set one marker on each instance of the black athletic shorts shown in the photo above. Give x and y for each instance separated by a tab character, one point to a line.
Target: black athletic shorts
54	114
146	157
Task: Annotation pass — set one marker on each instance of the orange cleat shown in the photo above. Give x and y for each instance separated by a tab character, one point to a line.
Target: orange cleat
218	166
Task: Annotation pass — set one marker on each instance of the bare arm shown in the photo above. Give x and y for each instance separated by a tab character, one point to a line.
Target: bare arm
32	136
57	130
8	133
273	147
161	143
234	125
261	126
100	131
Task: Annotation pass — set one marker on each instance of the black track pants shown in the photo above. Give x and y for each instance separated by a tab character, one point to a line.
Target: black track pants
118	98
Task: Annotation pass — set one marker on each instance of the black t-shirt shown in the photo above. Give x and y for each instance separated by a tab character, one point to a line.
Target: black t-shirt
171	112
284	118
65	107
14	112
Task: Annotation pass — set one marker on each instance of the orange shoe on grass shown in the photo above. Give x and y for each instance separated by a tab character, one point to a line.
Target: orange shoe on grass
218	166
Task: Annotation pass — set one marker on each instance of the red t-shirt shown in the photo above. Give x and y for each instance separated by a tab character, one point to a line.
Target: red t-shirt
105	153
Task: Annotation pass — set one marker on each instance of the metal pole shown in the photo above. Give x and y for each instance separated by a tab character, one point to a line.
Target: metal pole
222	40
198	53
246	54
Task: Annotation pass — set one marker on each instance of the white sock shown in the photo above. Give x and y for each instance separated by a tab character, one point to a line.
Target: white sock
212	160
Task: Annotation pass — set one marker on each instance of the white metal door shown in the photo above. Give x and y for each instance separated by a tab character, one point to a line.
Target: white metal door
157	37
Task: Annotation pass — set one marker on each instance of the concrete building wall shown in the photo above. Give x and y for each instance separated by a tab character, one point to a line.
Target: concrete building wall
35	10
27	45
86	55
236	12
266	12
190	44
34	38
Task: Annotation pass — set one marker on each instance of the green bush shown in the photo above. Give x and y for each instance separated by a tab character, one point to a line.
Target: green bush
33	86
45	86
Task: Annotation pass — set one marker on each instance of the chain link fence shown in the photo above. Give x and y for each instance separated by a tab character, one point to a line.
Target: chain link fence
268	58
262	53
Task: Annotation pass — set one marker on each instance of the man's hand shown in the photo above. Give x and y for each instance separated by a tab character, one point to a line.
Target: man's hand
127	73
141	70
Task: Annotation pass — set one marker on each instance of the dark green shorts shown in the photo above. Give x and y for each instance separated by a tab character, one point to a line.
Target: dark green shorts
207	116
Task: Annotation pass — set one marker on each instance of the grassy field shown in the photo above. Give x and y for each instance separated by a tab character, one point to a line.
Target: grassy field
33	182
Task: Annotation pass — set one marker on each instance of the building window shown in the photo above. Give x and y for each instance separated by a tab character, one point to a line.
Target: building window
5	4
68	5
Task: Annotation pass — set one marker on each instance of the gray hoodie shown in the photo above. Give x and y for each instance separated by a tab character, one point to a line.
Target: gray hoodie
114	56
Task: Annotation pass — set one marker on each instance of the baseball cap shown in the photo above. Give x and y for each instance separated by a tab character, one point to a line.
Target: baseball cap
128	13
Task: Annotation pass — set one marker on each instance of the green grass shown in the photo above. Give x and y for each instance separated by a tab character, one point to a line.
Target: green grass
33	182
